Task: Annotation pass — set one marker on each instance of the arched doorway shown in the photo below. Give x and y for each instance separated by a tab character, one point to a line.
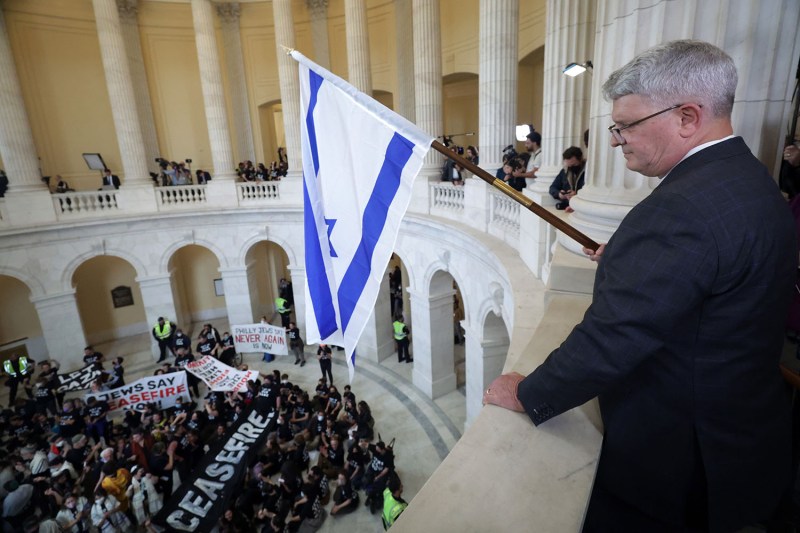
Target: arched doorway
196	286
486	352
109	300
270	118
19	321
267	264
460	104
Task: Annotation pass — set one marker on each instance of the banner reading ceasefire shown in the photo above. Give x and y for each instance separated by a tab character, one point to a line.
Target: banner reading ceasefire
219	376
260	338
163	390
214	483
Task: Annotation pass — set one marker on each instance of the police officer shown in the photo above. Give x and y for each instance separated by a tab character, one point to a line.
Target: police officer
393	503
18	369
163	332
284	309
401	338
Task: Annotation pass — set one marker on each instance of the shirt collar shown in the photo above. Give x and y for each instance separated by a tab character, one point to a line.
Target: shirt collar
697	149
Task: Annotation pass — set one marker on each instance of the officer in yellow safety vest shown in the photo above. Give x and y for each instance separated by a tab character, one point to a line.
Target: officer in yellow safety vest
18	369
393	504
401	338
284	309
163	332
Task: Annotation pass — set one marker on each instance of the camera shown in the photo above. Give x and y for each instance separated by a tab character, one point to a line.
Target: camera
188	160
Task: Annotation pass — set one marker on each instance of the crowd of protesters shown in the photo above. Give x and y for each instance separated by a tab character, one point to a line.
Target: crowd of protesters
71	465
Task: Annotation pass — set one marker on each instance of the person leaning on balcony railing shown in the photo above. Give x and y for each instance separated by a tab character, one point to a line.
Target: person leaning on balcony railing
203	177
62	186
682	340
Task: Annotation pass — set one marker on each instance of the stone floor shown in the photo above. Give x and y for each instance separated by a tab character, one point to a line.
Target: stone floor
425	430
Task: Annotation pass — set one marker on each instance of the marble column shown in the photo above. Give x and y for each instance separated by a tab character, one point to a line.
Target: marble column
377	340
432	342
121	95
497	75
298	276
128	12
289	84
569	38
404	59
236	281
17	149
234	61
318	12
766	78
62	328
486	348
359	72
428	93
213	90
158	300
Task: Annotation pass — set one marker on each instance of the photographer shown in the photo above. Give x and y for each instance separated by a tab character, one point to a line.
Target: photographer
451	170
533	144
571	178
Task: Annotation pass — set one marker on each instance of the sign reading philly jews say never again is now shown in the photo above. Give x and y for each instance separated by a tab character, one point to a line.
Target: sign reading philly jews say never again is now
220	377
162	390
260	338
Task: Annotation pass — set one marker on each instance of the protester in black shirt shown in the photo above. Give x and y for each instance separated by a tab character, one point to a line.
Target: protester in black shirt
296	344
90	356
183	357
96	421
345	497
180	340
228	349
206	345
325	356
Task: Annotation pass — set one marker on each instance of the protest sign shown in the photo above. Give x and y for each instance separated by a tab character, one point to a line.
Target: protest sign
213	484
78	380
219	376
162	390
260	338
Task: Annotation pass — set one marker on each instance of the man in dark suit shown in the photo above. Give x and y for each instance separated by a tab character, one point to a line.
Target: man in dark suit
682	340
110	179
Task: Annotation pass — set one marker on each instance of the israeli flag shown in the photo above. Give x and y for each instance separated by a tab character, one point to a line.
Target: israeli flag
359	163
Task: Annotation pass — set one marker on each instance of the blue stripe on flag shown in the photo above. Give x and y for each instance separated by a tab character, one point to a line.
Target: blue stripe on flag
318	287
315	82
398	152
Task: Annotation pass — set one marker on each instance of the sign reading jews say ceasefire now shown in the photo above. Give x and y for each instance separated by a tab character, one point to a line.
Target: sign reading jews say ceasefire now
260	338
163	390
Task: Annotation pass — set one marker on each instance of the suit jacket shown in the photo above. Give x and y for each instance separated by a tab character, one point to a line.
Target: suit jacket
682	342
114	181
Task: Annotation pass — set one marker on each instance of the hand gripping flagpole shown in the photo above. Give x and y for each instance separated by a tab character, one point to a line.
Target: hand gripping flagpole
532	206
499	184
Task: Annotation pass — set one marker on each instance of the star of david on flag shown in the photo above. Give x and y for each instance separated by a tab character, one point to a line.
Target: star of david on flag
359	163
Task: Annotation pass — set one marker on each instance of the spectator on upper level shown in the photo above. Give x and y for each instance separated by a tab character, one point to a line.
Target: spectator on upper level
110	180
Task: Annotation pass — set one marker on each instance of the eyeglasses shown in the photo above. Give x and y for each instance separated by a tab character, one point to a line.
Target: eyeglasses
617	132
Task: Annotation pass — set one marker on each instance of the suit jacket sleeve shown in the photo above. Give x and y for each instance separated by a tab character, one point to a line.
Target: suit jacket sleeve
653	275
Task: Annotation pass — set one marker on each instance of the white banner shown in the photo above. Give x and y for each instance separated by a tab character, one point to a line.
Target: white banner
163	390
219	376
260	338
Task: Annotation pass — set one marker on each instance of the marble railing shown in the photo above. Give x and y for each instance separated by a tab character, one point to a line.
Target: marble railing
71	205
446	199
504	217
190	196
3	213
257	193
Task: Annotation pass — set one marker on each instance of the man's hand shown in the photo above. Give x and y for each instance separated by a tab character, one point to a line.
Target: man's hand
594	255
503	392
791	154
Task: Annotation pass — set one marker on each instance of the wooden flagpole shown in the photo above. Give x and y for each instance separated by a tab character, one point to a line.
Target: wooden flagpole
532	206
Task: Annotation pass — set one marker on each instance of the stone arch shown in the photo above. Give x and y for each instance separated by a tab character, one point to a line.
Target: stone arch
163	264
76	262
264	271
241	257
443	265
34	285
460	107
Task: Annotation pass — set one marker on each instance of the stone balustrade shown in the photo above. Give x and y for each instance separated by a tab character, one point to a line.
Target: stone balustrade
72	205
258	193
446	199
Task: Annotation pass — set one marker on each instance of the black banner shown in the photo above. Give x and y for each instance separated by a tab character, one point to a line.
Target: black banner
201	500
79	380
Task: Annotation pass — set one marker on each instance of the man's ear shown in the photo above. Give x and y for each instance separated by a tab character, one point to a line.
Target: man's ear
691	116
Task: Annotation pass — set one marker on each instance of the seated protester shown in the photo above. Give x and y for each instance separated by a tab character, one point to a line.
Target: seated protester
320	400
334	403
73	517
182	358
284	434
345	497
159	425
331	457
181	340
307	510
206	346
316	475
289	481
96	416
218	436
365	421
348	395
316	428
377	474
233	521
116	377
235	414
301	414
70	421
358	460
196	422
146	501
107	515
212	410
571	178
211	333
180	412
228	349
272	460
393	503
